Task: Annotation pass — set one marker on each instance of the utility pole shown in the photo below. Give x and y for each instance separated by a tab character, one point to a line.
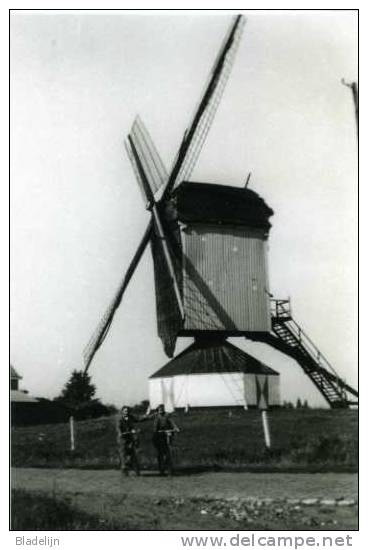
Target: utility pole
354	90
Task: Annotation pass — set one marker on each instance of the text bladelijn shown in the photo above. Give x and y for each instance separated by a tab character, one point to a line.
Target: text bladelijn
37	541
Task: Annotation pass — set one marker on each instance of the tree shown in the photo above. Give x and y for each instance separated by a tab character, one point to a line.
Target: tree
141	407
77	391
298	403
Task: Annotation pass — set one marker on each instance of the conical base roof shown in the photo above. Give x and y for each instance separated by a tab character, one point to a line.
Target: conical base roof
212	356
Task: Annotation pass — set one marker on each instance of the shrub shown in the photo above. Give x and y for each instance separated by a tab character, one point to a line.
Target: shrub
93	409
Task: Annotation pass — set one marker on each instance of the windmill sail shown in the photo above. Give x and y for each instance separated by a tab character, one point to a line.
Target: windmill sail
103	327
146	188
195	136
154	169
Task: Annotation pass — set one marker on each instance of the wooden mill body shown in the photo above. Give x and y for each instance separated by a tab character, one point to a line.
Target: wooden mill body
218	236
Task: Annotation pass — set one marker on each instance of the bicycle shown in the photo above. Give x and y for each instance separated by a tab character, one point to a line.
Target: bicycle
165	452
128	456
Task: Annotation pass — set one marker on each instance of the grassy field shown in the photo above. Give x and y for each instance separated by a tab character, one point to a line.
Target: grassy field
302	440
38	512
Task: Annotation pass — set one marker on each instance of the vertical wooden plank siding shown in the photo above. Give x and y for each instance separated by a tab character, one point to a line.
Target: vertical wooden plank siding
225	279
274	390
210	390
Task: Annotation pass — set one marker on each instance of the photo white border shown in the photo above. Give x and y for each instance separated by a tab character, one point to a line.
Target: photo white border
161	540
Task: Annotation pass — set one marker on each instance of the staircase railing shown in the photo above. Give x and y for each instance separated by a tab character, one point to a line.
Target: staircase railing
281	309
281	313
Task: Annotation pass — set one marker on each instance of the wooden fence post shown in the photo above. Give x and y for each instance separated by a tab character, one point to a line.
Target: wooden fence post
72	439
266	429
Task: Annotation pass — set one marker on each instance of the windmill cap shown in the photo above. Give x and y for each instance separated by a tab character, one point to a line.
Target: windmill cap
220	204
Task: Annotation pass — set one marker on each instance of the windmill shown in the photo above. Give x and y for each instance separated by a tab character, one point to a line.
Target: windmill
209	244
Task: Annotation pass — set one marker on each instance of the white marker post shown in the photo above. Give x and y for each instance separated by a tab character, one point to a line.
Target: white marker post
266	430
72	441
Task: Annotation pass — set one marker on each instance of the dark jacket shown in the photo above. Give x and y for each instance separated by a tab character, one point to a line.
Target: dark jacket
126	424
163	422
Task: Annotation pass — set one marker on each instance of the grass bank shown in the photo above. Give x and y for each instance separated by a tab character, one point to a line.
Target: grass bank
38	512
302	440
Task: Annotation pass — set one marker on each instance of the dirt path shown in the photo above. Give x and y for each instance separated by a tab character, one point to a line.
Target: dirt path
212	485
206	501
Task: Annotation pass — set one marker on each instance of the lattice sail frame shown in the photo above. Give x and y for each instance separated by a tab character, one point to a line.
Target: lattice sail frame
146	162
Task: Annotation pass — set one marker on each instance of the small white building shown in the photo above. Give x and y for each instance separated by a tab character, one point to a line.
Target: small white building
17	395
214	374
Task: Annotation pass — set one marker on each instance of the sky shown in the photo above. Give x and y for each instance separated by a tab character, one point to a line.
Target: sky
77	81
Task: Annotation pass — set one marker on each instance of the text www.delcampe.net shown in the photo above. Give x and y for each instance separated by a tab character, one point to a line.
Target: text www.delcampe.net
253	540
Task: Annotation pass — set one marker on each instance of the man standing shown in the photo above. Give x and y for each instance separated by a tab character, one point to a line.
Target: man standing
128	441
163	432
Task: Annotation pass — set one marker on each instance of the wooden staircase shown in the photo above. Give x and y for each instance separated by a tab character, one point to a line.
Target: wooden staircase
288	337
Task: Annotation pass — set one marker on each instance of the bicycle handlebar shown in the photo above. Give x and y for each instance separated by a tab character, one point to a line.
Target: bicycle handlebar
174	430
130	432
